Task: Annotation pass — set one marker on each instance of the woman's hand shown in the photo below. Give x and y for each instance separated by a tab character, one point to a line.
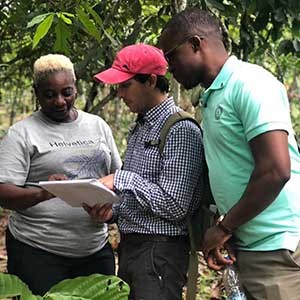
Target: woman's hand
57	177
44	194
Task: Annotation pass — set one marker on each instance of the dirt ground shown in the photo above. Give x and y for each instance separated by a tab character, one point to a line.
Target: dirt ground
3	224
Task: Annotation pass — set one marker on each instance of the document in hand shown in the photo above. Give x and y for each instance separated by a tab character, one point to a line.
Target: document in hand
76	192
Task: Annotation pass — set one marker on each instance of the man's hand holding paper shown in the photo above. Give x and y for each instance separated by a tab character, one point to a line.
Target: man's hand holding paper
99	212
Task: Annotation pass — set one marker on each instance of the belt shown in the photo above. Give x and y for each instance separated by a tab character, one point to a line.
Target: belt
140	237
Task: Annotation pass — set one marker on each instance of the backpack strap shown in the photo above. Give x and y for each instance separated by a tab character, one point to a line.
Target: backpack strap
171	120
193	259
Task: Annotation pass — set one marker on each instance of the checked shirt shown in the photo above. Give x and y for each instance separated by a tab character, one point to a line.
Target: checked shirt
158	191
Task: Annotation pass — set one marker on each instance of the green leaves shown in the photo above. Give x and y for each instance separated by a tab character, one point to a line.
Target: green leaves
88	25
45	21
261	21
287	46
245	4
93	287
296	44
279	15
65	18
36	20
12	286
42	30
217	4
63	36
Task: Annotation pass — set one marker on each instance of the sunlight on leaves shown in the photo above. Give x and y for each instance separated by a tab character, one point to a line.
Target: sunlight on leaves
42	30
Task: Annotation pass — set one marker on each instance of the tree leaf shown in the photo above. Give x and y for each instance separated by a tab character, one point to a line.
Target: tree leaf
296	44
285	47
98	21
279	15
42	30
261	21
245	4
64	17
12	286
63	35
272	3
68	14
37	19
94	15
114	42
88	24
204	4
93	287
137	8
296	28
137	27
216	4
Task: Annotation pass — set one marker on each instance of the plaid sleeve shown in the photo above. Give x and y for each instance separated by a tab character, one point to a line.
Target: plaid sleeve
170	197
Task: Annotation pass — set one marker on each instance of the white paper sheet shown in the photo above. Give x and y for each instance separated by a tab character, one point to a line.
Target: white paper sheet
76	192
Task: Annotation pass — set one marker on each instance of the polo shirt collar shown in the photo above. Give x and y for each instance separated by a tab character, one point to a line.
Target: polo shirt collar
222	78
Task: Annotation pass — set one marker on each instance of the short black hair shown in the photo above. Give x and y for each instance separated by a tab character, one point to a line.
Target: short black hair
195	21
162	82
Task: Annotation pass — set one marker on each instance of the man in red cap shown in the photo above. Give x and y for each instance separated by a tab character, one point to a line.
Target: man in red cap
158	190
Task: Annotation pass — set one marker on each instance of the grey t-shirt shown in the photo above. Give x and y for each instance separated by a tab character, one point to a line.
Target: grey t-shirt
37	147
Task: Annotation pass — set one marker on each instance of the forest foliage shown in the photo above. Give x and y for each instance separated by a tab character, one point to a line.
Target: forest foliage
90	32
92	287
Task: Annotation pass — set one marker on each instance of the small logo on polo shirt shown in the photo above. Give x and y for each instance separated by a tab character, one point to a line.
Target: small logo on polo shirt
218	112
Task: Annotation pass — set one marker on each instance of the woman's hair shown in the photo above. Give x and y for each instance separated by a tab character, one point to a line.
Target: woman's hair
162	82
49	64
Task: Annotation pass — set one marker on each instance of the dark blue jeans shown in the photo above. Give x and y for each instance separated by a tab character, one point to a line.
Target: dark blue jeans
154	269
40	270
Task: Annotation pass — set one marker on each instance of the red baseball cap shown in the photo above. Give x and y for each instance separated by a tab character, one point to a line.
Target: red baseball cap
132	60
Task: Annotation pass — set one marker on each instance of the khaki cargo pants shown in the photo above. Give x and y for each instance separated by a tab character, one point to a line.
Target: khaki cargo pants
270	275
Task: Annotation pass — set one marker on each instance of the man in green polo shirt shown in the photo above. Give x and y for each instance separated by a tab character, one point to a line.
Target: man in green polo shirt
252	156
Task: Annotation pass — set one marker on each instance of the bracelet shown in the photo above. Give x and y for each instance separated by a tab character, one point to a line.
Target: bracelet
224	228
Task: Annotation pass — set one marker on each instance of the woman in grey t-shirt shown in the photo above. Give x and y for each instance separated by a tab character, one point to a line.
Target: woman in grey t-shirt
48	240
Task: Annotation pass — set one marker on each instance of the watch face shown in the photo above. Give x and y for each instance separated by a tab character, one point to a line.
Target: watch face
220	219
224	228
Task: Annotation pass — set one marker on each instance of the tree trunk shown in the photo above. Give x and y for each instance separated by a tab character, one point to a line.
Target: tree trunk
176	7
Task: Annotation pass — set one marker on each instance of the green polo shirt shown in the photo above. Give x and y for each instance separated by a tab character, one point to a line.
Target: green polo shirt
244	101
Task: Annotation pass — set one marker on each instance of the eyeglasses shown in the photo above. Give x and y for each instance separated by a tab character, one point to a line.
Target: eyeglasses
168	54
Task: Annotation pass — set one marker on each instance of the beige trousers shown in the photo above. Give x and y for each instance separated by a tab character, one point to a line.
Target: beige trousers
270	275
